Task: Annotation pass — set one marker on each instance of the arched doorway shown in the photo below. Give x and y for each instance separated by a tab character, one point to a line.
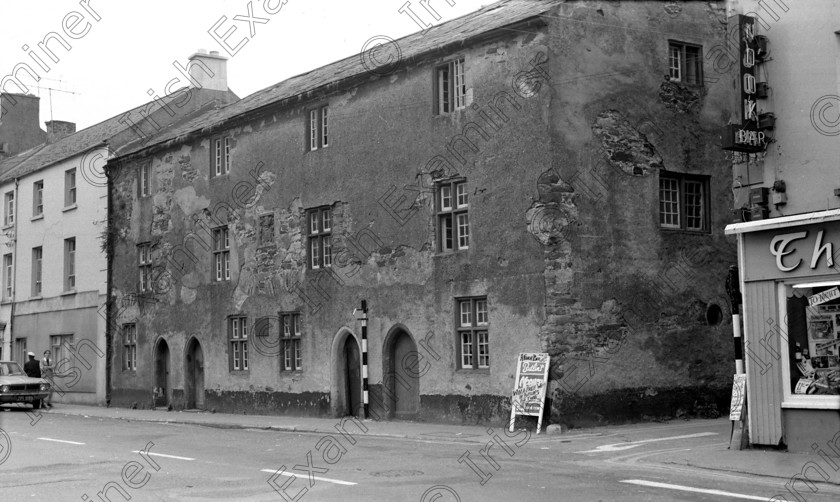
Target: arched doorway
162	387
346	391
194	375
402	368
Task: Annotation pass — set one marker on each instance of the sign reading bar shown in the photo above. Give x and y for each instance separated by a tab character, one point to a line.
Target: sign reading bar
529	389
739	393
825	296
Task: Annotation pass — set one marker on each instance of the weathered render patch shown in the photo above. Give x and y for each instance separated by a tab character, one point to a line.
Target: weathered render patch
550	219
627	149
679	97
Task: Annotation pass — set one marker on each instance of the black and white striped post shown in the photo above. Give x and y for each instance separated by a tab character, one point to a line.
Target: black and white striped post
739	436
364	320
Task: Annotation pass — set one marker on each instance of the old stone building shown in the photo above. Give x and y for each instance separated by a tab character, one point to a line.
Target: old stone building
532	177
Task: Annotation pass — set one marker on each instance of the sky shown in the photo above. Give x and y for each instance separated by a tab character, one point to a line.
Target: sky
114	60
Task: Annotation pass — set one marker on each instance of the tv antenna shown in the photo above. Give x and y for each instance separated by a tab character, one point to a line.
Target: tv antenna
50	91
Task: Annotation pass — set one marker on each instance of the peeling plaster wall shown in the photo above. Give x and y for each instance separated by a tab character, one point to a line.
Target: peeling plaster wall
563	267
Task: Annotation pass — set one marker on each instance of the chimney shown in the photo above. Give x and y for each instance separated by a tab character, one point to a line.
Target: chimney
57	129
19	129
209	70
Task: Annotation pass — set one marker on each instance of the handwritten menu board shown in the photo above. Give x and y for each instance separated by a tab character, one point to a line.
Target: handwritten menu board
529	389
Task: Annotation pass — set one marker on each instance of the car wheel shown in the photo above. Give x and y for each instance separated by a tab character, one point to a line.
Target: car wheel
36	404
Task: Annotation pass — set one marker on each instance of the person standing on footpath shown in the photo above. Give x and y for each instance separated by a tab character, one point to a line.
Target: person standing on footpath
47	373
32	368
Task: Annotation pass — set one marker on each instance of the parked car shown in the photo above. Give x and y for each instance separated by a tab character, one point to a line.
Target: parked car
16	387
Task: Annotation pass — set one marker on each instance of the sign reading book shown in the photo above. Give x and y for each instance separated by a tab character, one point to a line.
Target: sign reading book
529	389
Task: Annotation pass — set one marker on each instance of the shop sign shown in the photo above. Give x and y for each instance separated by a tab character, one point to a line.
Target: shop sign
739	393
825	296
530	386
792	252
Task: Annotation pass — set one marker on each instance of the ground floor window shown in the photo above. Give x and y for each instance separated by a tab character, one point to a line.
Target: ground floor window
813	338
238	339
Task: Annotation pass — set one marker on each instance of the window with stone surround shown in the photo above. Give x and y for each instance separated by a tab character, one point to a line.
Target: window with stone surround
453	219
221	254
685	63
238	340
684	202
472	331
319	225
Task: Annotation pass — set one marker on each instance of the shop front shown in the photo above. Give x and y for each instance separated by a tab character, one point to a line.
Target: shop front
790	282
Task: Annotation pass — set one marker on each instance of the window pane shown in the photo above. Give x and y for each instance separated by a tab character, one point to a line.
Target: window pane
218	159
674	63
313	223
466	350
446	241
314	251
481	312
227	155
446	197
296	322
298	357
244	355
692	65
460	86
327	244
483	350
694	205
461	194
443	90
286	328
287	355
324	126
313	130
236	355
669	210
466	313
327	220
463	231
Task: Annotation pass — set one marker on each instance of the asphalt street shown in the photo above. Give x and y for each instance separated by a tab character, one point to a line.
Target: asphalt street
76	458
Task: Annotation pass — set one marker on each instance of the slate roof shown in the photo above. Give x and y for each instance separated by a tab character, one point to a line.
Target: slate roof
459	30
81	141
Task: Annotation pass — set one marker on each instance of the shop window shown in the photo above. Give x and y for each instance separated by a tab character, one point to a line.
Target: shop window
813	337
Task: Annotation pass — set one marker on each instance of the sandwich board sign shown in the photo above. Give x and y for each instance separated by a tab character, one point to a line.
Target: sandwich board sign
530	386
739	388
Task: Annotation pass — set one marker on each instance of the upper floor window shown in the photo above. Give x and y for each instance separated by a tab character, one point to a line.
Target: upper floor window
70	264
7	276
145	264
129	347
37	270
320	237
684	202
318	130
69	187
38	199
290	335
685	63
238	339
10	209
146	179
473	342
221	253
221	155
453	220
450	87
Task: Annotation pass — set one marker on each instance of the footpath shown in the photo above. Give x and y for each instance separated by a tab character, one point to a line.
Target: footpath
714	456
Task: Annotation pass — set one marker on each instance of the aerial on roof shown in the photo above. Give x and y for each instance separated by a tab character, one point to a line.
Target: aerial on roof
459	30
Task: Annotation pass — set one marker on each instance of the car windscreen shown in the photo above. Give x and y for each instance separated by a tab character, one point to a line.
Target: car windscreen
10	369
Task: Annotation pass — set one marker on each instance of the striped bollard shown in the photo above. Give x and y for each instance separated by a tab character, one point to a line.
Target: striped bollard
364	359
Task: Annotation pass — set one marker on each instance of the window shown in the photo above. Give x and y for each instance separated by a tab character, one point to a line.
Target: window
37	258
453	221
10	209
450	87
238	338
220	157
320	238
684	202
129	347
20	350
290	336
61	347
685	63
70	187
7	276
318	131
38	198
221	253
145	264
146	179
813	342
473	342
70	264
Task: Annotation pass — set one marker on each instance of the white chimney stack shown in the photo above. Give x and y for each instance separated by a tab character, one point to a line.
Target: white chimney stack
209	70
